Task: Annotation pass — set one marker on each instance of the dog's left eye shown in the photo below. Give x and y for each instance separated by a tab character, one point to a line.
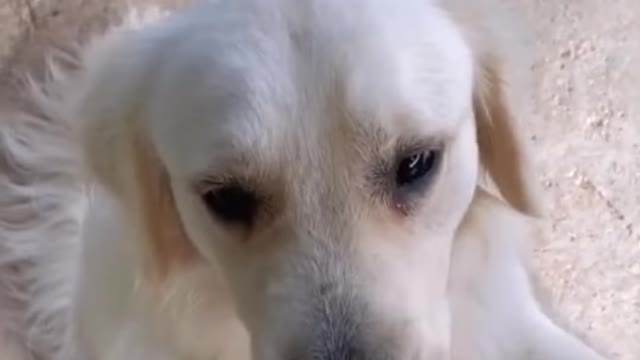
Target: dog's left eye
232	204
418	166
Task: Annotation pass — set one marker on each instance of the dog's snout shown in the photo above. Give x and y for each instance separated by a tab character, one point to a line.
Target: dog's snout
338	337
334	330
346	352
341	336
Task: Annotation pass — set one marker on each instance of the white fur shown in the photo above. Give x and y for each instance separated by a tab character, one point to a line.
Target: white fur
117	257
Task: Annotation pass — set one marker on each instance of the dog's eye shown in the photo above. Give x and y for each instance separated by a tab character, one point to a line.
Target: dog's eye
232	204
417	167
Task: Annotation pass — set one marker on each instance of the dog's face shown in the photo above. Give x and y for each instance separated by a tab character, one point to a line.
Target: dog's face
320	154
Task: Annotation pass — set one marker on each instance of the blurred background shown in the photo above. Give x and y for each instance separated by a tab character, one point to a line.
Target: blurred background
583	120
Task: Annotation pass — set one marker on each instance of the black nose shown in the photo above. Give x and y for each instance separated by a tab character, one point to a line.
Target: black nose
346	352
332	340
337	335
335	352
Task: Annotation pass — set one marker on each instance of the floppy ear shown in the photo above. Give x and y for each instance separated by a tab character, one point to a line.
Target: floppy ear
119	156
503	150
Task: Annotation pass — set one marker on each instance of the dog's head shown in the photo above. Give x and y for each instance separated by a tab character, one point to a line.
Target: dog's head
322	154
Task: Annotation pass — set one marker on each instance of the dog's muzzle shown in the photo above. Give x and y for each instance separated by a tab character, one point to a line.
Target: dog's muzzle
336	330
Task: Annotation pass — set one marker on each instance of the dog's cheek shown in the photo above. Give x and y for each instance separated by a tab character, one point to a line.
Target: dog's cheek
213	244
403	282
413	254
451	196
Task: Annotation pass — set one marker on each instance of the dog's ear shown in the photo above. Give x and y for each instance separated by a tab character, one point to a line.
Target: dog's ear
497	54
503	149
110	103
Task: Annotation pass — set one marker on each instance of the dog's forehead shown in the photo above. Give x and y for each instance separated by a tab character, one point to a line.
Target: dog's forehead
260	80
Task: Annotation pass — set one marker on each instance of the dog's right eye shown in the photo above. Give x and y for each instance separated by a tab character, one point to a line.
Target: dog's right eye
415	169
232	204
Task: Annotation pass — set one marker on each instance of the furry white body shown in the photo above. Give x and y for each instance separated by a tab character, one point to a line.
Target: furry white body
119	261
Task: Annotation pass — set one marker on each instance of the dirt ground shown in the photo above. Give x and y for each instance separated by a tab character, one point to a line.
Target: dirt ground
586	132
585	129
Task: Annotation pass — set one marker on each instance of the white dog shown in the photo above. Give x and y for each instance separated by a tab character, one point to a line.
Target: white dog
279	180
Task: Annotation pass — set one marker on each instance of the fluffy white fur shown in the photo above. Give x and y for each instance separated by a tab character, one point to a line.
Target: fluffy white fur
109	253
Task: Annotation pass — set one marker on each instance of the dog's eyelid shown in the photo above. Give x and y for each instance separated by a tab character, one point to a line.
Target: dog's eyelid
206	183
411	145
223	169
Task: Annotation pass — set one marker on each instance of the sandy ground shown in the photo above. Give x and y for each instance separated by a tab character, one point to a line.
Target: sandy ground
585	129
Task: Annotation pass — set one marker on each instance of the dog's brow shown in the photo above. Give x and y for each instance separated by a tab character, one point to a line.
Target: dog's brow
408	132
222	169
371	133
